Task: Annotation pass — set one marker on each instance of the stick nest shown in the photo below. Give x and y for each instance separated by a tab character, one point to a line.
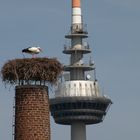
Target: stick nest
31	71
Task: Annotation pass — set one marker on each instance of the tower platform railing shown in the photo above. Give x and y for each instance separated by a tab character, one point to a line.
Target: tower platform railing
84	47
79	28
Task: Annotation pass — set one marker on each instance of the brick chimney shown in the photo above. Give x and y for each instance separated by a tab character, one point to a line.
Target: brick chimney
32	118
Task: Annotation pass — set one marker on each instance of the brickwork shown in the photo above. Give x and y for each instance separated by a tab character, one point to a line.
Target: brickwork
32	118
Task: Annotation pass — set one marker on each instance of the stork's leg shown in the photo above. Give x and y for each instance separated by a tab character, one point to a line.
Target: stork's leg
23	55
33	55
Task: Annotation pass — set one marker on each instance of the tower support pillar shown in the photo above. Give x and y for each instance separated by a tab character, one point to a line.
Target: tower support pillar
78	131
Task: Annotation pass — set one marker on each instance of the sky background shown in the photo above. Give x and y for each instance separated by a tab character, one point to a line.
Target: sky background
114	37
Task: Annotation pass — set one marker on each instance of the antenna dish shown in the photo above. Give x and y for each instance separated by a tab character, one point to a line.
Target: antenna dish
88	77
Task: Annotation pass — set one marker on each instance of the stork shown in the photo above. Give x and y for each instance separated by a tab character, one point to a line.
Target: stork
32	50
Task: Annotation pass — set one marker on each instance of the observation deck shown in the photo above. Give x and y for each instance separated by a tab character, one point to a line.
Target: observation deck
77	88
78	101
88	109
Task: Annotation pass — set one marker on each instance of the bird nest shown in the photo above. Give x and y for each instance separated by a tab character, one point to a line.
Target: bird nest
31	71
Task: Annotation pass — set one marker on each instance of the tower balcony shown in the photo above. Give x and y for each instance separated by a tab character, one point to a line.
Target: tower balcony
83	49
77	88
84	67
82	35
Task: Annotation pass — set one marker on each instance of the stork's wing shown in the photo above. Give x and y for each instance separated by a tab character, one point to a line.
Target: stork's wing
32	49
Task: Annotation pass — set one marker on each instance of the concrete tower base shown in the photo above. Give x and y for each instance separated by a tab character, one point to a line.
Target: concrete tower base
32	119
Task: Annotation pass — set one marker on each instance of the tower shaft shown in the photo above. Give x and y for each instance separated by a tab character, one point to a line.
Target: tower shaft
78	131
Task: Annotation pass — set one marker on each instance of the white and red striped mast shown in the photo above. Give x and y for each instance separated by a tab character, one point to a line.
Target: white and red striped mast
76	12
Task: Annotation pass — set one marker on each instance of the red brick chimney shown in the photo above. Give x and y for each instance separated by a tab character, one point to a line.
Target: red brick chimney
32	118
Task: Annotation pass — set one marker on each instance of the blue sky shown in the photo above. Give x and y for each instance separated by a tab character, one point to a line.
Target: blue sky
114	37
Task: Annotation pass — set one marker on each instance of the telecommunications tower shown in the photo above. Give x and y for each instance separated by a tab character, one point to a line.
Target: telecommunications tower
77	100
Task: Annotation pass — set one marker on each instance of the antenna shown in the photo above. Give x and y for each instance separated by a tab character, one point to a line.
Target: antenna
95	74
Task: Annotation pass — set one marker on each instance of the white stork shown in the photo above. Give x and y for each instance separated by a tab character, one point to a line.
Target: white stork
32	50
